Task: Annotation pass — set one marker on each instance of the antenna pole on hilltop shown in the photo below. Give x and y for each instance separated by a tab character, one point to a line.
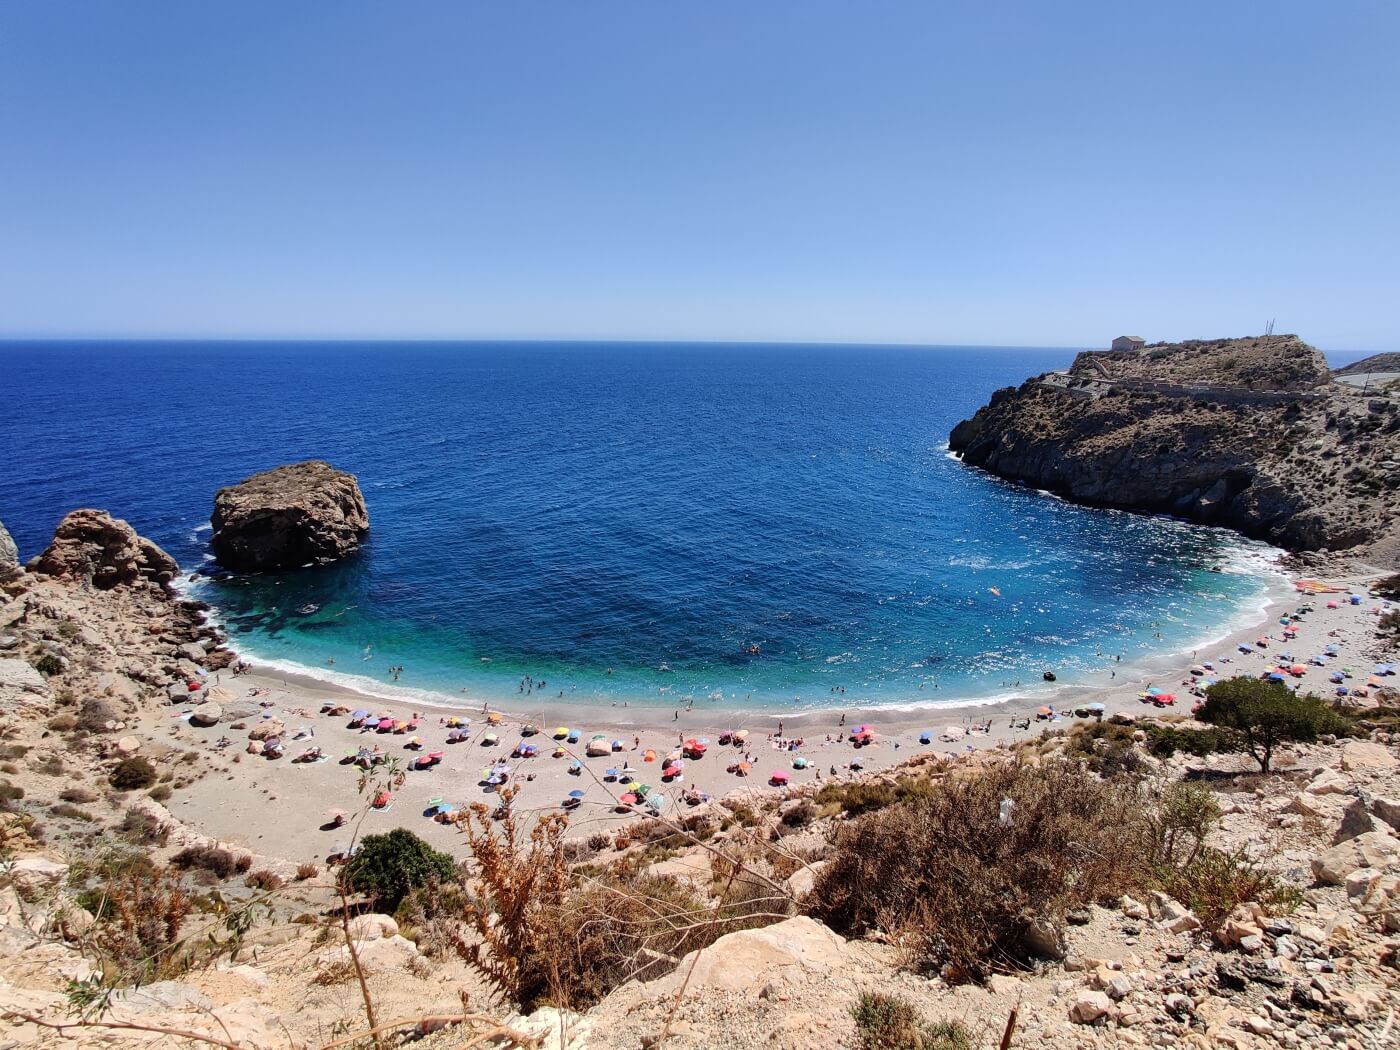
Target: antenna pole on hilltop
1269	328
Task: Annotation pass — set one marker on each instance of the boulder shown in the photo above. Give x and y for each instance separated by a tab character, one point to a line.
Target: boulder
288	517
1364	756
90	546
264	730
1387	810
206	714
1375	849
20	677
1172	915
1355	821
35	877
1328	782
747	960
1089	1006
9	555
128	745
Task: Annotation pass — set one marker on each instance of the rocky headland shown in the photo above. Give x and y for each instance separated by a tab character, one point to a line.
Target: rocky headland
296	515
1253	434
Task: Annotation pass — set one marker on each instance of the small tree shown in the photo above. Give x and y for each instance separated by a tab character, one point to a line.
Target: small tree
1265	714
388	867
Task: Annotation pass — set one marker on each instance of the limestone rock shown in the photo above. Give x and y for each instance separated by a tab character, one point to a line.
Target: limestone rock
35	877
1089	1006
1365	756
91	546
1375	849
9	555
288	517
18	676
266	730
1355	821
206	714
1387	810
747	960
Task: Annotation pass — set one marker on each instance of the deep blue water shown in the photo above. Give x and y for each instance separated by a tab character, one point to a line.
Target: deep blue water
621	521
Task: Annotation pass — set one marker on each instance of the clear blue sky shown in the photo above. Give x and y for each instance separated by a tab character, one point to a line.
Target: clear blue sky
996	173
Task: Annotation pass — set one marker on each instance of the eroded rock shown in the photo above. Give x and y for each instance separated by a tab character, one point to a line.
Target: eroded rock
288	517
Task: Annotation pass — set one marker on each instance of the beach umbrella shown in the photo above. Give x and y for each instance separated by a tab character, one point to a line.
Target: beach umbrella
799	763
656	803
743	769
561	732
573	736
359	715
1245	649
1298	670
627	798
336	814
926	737
1337	677
1334	605
1096	709
493	718
382	800
610	774
1330	650
488	739
1197	670
741	736
528	729
436	756
1342	690
576	793
618	745
575	766
1274	676
779	776
1262	642
648	756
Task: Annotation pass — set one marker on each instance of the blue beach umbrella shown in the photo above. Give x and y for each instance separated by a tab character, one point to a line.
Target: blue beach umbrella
576	793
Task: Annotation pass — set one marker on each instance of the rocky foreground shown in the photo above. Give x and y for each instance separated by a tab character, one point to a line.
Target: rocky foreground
1251	434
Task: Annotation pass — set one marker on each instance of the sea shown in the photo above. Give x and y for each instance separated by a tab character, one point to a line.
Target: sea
744	526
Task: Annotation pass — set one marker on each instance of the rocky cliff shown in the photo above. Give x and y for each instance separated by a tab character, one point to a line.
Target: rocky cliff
1248	434
9	554
93	547
303	513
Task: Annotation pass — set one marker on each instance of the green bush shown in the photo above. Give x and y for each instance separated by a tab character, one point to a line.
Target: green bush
388	867
1164	741
1266	714
1215	882
887	1022
48	665
133	773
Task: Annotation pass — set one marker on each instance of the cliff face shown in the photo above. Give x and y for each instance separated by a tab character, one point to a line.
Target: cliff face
288	517
1315	468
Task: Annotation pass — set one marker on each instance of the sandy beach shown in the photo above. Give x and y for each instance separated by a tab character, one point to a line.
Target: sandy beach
278	807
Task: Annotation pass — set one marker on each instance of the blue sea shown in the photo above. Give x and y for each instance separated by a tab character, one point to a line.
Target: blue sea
623	521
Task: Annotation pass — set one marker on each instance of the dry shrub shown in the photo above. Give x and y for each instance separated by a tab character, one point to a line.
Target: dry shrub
142	829
333	973
263	879
307	871
139	916
546	936
77	794
216	861
436	914
961	888
94	715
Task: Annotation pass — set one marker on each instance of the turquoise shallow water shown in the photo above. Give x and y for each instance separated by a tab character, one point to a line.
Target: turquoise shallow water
626	522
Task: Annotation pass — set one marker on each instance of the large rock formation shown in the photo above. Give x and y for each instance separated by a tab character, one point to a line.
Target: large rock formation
9	555
1243	433
91	546
289	517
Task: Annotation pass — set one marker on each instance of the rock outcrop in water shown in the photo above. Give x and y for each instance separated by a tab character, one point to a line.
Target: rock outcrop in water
91	546
291	516
1251	434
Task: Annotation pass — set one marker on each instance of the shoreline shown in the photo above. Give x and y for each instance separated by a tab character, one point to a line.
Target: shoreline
1143	669
252	802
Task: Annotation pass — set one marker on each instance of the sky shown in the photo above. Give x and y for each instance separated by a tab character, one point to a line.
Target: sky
1007	173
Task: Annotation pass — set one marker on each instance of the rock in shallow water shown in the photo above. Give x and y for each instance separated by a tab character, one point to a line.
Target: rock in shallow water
288	517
